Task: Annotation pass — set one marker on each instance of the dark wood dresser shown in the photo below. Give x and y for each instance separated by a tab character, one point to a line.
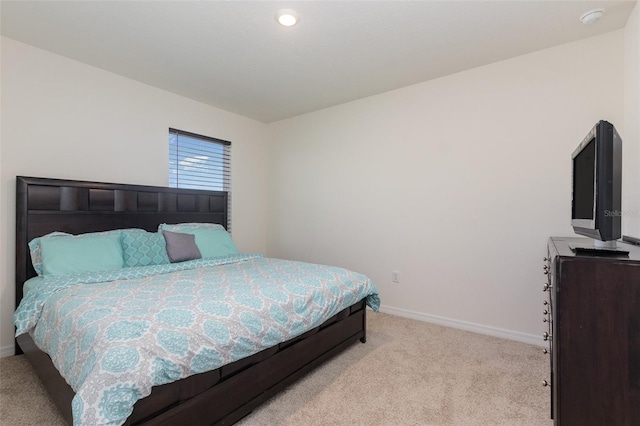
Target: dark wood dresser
592	314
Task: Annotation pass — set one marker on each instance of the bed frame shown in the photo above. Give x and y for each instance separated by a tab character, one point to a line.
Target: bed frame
221	396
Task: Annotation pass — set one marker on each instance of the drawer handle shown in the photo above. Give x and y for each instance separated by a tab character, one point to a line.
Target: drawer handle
545	383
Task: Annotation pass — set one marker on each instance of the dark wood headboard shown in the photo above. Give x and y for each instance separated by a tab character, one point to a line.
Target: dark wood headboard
47	205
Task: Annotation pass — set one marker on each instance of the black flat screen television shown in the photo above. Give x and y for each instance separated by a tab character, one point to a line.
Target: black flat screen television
596	210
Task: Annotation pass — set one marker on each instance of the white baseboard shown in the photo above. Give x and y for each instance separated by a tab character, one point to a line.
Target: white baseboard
531	339
6	351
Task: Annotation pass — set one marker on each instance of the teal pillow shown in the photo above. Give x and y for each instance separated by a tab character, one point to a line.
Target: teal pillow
212	239
34	248
142	248
63	255
214	242
187	228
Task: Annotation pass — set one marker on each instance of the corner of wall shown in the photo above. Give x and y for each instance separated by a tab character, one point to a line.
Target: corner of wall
631	136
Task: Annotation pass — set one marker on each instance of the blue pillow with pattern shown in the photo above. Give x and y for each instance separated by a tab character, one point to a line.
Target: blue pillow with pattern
142	248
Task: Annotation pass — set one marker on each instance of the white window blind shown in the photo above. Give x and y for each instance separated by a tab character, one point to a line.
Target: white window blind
200	162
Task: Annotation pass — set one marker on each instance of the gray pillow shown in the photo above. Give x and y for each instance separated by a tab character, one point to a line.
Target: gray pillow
181	247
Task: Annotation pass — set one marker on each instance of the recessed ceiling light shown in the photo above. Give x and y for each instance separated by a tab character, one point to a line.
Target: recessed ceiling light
287	17
592	16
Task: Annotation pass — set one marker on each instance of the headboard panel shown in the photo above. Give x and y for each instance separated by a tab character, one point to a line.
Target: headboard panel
47	205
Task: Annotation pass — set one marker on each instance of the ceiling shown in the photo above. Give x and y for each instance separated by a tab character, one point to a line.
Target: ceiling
235	56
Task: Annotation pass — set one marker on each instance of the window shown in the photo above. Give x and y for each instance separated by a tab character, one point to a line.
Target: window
199	162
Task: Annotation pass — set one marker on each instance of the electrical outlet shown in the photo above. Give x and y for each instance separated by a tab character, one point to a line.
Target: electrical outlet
395	276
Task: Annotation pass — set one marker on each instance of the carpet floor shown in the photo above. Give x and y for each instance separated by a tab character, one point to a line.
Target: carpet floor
408	373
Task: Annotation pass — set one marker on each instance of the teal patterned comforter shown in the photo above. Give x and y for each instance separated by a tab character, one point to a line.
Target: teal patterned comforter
114	335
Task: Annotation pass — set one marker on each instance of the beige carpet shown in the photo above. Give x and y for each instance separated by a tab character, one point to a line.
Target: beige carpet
408	373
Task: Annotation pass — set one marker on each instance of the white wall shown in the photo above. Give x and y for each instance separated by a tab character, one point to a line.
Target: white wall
64	119
631	135
456	183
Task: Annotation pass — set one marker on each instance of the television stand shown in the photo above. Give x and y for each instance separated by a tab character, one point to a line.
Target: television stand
592	317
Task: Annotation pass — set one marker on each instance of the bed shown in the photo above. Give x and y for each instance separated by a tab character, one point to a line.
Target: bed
222	395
